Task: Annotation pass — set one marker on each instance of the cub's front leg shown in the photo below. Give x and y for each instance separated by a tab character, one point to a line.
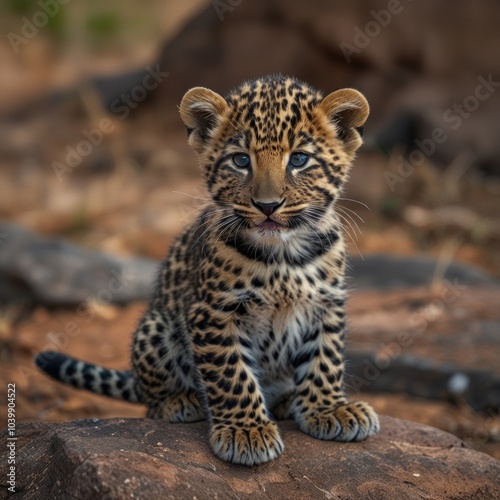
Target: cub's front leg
321	408
241	430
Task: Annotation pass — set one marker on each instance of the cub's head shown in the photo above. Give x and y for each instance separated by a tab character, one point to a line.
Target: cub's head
275	153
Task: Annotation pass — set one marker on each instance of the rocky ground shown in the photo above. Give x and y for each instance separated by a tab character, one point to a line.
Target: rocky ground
124	458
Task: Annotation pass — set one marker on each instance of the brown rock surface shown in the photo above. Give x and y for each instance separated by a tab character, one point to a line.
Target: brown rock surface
142	458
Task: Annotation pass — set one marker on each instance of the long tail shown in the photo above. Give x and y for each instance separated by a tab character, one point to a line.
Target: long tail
105	381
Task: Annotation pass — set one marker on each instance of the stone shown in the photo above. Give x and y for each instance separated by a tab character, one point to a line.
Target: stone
142	458
391	272
55	272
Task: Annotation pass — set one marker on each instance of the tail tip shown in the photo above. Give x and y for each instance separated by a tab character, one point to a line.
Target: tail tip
50	362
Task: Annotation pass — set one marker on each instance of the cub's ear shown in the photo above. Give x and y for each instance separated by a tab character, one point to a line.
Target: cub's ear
348	109
201	110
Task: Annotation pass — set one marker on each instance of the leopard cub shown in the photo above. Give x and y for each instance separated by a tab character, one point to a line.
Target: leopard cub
248	321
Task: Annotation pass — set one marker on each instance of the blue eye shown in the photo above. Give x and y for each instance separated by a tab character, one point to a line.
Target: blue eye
241	160
298	160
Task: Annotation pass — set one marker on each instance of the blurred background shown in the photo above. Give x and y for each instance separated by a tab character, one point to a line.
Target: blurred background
96	179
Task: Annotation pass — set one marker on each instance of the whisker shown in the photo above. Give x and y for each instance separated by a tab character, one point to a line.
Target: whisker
348	222
221	226
214	223
350	218
356	201
191	196
352	211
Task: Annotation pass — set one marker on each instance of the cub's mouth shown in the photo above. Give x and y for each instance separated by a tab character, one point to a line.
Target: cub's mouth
270	225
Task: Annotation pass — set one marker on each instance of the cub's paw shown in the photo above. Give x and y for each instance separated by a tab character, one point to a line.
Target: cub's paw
348	422
249	445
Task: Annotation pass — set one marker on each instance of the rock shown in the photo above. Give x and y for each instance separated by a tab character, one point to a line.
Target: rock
389	272
49	271
425	378
142	458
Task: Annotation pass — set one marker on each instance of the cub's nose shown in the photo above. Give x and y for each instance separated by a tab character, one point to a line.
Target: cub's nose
268	208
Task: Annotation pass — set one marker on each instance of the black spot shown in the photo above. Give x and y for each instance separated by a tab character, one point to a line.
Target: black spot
311	336
323	367
302	358
210	375
245	402
71	369
219	360
156	340
105	389
318	382
257	282
224	384
233	359
105	374
332	328
230	403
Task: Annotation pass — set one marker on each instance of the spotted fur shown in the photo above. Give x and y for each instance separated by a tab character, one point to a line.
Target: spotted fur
248	322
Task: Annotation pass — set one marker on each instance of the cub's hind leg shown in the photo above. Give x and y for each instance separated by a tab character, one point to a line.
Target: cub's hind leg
163	363
180	408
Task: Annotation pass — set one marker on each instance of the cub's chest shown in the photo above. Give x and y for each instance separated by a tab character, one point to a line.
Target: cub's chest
281	315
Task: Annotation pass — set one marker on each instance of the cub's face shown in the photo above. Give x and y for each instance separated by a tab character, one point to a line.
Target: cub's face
275	153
